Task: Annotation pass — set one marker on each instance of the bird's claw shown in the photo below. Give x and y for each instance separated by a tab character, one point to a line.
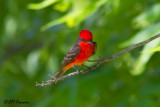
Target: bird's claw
76	69
78	72
55	80
51	76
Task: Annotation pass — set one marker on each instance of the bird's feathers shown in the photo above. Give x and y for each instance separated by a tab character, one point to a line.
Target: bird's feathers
72	53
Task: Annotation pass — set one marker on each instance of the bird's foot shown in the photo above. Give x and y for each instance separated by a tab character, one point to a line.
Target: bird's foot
76	69
53	78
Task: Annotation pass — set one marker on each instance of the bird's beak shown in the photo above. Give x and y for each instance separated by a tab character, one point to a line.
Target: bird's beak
90	41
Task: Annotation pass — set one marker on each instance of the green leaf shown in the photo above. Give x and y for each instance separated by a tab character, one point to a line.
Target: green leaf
62	6
140	63
69	16
144	58
147	17
41	5
153	50
76	16
142	35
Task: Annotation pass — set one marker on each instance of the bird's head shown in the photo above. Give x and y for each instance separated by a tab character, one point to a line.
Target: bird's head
86	35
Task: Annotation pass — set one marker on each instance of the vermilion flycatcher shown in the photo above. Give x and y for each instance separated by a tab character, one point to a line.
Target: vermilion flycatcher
78	53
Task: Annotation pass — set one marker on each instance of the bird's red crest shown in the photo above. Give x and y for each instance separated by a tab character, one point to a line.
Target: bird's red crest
86	35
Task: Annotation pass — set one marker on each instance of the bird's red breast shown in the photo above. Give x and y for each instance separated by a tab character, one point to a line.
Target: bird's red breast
84	54
79	52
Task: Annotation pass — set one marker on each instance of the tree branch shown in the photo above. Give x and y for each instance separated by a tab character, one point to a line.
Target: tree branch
99	62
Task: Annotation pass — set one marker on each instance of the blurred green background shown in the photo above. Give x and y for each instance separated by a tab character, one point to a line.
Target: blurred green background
35	36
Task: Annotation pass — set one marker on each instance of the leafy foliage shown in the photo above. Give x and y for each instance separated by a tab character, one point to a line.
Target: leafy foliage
34	37
154	49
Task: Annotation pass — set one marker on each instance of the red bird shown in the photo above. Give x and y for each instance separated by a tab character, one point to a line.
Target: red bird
78	53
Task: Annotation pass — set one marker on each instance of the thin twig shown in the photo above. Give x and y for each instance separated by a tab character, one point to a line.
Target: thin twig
99	62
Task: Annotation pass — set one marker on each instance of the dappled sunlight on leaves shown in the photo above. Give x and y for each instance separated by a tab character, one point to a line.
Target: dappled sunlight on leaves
77	15
36	35
41	5
148	17
140	63
153	49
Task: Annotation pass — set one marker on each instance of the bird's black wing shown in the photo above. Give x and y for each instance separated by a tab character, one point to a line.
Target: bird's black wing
72	53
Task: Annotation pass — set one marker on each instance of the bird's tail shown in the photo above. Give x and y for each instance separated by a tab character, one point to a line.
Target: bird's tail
62	70
59	73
